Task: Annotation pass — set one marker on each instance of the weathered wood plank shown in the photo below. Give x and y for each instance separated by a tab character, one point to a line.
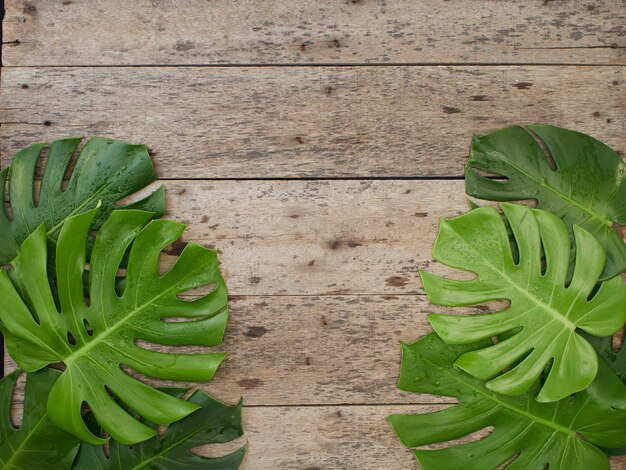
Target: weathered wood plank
337	237
317	237
272	122
325	438
115	32
316	350
328	438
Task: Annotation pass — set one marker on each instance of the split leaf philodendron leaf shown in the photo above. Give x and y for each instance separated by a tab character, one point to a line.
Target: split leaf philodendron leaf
543	307
106	170
616	362
95	337
37	443
587	188
213	423
526	435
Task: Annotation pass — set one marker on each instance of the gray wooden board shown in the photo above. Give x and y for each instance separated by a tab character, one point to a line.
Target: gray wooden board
337	437
329	437
112	32
299	350
317	237
269	122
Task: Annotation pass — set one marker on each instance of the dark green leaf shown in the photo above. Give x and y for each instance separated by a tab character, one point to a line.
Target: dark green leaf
37	443
543	306
106	170
616	363
213	423
96	338
615	360
526	434
587	187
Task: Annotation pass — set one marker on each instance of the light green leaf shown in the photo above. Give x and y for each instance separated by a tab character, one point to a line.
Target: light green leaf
587	188
213	423
543	307
527	435
95	338
37	443
106	170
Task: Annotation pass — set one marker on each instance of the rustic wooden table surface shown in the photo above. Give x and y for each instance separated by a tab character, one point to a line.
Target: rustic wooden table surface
315	144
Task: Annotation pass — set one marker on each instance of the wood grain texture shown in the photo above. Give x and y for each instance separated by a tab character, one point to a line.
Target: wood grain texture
260	122
300	237
114	32
317	350
328	438
316	237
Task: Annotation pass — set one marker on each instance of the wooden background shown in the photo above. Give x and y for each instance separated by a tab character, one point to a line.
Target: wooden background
315	144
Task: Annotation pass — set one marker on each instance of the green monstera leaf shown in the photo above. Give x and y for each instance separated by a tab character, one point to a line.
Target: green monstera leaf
587	188
213	423
615	359
95	337
544	312
106	170
37	443
526	435
616	362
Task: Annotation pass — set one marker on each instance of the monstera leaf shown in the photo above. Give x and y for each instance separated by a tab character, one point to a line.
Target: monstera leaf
37	443
616	361
213	423
543	307
95	337
587	187
526	434
106	171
